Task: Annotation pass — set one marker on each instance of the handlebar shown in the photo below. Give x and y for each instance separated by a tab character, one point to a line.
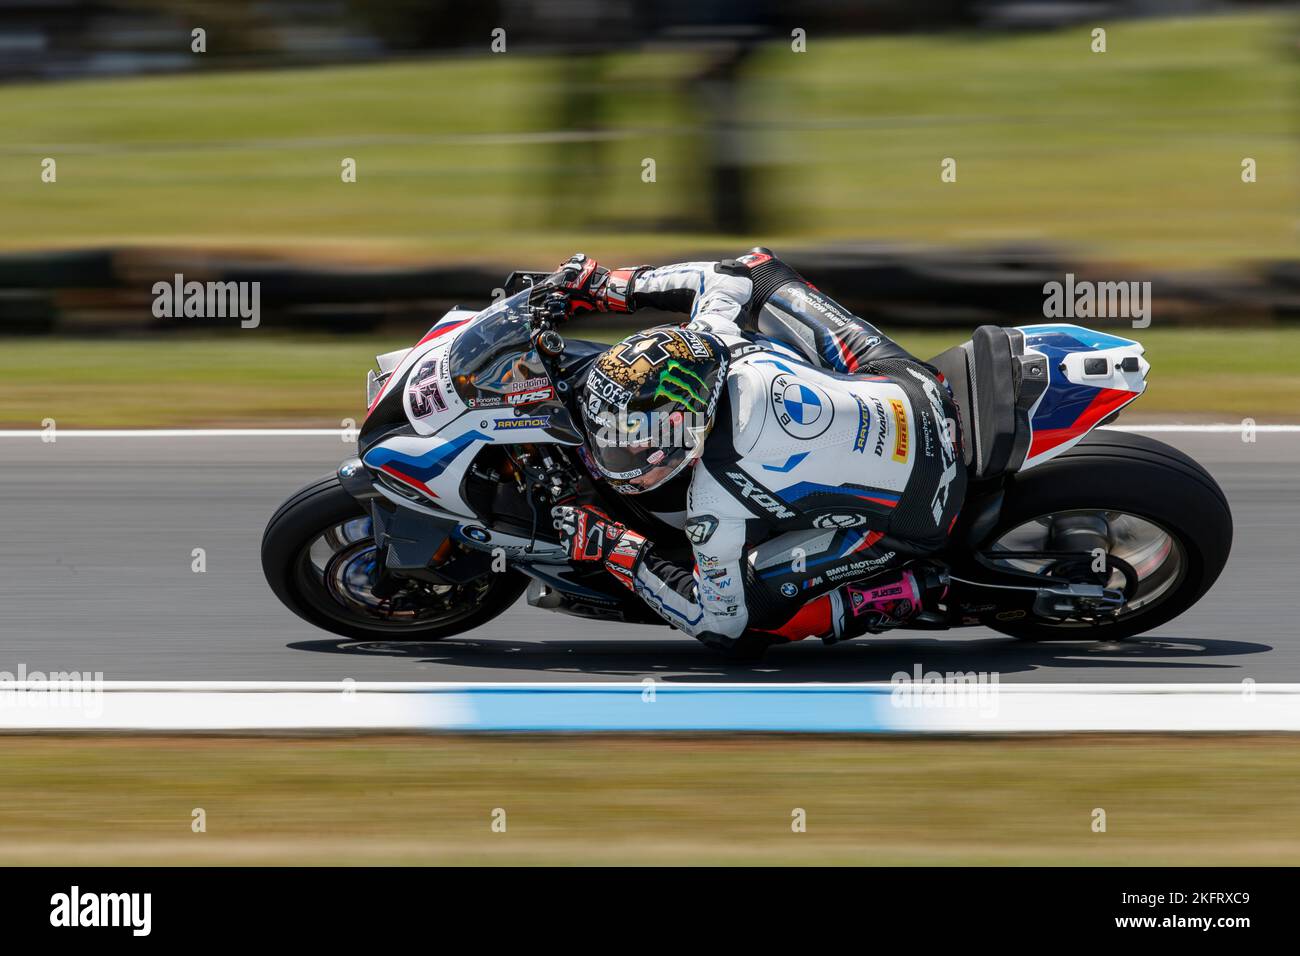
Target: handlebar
548	306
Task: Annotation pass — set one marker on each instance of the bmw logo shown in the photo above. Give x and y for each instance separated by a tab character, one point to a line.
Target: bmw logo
803	410
801	404
475	533
789	590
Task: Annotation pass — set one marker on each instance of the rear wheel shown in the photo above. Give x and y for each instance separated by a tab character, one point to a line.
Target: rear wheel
1162	522
319	556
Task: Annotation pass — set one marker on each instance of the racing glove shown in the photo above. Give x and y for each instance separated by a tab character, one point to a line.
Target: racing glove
591	287
588	534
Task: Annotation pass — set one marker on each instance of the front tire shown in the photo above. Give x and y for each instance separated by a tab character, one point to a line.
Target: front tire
315	558
1155	487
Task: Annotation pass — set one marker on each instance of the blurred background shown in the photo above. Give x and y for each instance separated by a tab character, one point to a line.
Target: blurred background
508	134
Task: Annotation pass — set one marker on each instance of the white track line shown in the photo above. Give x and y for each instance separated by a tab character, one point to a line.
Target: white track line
178	433
1213	429
1219	429
919	707
1237	687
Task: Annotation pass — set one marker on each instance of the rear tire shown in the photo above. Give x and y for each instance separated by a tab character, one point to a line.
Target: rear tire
325	504
1135	475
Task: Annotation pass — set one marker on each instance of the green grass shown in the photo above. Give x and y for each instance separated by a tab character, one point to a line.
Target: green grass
1132	155
254	378
612	800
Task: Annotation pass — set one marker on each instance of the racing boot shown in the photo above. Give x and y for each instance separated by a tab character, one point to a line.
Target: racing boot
887	601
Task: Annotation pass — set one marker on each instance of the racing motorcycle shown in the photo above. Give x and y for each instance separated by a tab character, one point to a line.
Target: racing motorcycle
442	520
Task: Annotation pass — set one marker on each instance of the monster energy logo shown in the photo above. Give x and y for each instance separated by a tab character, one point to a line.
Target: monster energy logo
680	384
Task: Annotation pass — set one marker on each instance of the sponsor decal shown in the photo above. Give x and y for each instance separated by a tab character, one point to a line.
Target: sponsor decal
700	529
751	492
720	577
626	547
531	398
710	592
811	583
803	410
823	306
901	434
483	401
509	424
864	426
948	454
623	475
608	390
749	348
858	568
827	522
679	384
475	533
789	590
540	381
882	428
529	550
927	436
699	348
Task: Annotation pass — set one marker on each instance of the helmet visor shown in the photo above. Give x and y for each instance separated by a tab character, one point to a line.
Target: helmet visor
638	451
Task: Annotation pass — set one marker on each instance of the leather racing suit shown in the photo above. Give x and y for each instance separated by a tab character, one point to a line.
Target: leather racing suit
835	455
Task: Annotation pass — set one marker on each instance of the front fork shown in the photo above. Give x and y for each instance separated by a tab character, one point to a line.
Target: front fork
409	544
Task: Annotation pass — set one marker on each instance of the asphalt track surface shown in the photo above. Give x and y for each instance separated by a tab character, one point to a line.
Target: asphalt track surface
95	575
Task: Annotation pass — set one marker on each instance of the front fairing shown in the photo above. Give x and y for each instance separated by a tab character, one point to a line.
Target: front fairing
473	363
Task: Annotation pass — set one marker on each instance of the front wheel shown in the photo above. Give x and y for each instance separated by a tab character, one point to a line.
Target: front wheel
318	555
1162	521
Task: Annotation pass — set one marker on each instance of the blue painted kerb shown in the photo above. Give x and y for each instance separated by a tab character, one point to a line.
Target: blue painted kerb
635	707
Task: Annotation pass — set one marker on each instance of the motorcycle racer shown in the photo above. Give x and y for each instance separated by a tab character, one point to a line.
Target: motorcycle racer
817	460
